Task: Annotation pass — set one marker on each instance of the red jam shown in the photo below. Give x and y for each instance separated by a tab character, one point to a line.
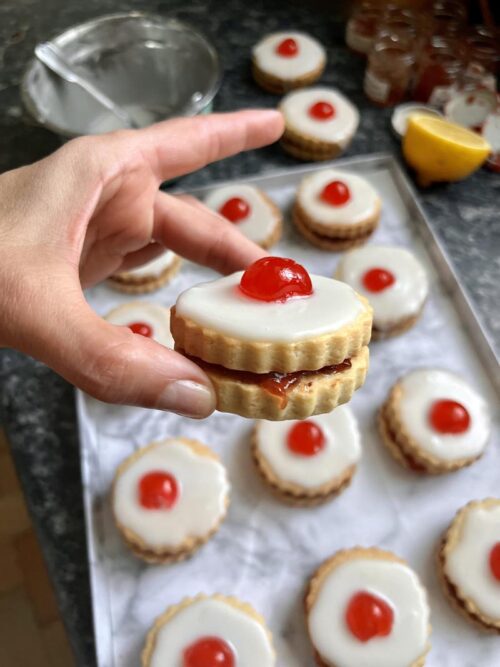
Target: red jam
158	490
305	438
235	209
322	111
288	48
447	417
209	652
277	384
275	279
335	193
368	616
377	280
495	561
141	328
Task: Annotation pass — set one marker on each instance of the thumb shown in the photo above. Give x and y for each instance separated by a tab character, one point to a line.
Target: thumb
115	365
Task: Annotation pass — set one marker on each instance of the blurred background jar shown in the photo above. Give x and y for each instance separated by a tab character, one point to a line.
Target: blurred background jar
448	17
483	47
440	66
390	66
362	27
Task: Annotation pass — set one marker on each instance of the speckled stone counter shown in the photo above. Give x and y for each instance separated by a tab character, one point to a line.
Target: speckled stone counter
37	407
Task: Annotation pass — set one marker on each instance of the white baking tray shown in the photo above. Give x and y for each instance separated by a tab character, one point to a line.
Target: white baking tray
264	551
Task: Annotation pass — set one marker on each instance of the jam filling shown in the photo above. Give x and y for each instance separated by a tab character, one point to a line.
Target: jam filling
334	238
276	384
411	462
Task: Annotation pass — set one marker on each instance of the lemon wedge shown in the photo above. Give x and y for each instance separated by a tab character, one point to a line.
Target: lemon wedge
442	151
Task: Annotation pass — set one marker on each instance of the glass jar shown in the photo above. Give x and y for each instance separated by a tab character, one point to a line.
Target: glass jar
389	69
483	48
448	17
440	66
362	27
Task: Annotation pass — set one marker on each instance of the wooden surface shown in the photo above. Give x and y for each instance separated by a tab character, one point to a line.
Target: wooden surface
31	631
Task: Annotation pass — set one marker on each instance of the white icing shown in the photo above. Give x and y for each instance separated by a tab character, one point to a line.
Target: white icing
405	297
213	618
153	268
339	129
362	205
155	316
467	565
419	391
203	490
261	220
222	306
342	449
394	582
310	57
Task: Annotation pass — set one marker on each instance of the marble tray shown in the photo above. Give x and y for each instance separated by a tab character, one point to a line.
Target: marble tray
265	551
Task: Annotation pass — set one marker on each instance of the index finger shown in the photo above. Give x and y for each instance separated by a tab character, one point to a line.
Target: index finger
179	146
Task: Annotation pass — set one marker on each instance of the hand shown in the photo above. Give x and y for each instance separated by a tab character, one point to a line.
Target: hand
92	209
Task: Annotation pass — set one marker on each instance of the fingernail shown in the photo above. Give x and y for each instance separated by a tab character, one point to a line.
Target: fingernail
187	398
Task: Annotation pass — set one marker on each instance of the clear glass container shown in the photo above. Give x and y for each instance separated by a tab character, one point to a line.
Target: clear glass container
390	67
440	65
483	47
362	27
448	17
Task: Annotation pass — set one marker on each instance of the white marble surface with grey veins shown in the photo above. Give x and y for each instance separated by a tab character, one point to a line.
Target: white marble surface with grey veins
36	406
264	552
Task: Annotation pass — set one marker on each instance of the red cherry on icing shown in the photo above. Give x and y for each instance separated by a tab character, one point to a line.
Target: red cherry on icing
158	490
209	652
368	616
306	438
275	279
235	209
288	48
335	193
377	279
448	416
141	328
322	111
495	561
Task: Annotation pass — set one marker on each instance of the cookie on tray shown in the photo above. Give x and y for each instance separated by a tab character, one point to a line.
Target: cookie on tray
285	60
311	461
367	607
148	277
271	342
250	209
209	631
434	422
145	319
336	210
394	282
169	498
469	563
319	123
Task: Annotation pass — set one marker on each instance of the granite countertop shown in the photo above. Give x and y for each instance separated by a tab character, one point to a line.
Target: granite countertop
37	407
